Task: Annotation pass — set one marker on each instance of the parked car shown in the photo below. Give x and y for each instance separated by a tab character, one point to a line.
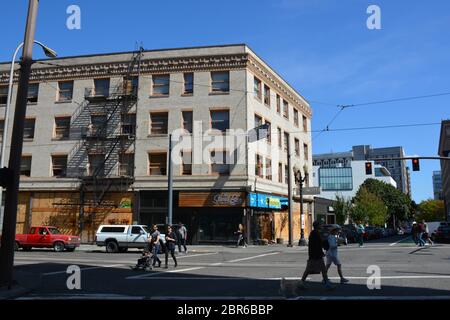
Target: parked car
325	229
369	233
442	234
46	237
350	232
120	238
378	232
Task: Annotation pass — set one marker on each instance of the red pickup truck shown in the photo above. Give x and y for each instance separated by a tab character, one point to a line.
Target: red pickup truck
46	237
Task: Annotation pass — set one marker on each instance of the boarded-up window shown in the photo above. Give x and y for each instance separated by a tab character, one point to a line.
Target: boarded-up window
159	122
59	165
62	128
157	164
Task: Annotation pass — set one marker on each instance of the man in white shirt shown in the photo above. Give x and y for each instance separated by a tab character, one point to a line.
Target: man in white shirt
332	253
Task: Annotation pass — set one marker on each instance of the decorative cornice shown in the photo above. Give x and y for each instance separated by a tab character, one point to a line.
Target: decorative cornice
60	72
284	90
154	66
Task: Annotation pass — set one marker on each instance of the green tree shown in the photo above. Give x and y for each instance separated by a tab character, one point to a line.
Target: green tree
430	210
369	208
342	209
399	205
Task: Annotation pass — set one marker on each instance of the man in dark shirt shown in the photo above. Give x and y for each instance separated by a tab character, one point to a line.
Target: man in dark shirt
156	246
315	262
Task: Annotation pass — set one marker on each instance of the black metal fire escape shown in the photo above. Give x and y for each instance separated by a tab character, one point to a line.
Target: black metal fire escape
96	160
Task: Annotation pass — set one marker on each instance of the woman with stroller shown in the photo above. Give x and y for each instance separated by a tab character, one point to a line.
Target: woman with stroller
171	240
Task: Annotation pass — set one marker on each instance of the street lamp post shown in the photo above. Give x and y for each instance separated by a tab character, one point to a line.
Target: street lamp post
49	53
300	180
13	170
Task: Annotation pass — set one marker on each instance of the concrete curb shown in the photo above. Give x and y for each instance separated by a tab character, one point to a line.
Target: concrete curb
15	292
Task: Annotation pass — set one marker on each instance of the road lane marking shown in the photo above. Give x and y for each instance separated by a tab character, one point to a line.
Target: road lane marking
84	269
253	257
401	240
145	276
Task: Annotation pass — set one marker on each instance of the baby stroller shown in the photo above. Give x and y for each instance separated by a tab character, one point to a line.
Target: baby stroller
144	263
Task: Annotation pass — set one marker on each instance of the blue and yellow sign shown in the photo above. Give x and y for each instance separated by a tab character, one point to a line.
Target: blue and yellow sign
265	201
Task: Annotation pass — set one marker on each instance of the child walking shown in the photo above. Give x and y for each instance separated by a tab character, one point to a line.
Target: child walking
332	253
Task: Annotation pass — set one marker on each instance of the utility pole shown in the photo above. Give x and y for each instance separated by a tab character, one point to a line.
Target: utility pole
12	188
290	201
170	183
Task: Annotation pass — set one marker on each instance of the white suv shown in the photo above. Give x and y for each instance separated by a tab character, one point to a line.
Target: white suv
118	238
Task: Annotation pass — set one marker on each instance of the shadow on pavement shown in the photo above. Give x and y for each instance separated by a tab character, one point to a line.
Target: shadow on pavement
49	280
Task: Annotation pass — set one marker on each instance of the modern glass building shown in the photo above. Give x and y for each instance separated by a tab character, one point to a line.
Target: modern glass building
336	179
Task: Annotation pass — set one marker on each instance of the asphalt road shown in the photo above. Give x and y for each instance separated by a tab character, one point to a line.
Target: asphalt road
406	271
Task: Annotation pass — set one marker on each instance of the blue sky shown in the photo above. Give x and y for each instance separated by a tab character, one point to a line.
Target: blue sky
321	47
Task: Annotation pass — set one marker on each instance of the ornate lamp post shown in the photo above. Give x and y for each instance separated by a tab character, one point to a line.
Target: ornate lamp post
299	180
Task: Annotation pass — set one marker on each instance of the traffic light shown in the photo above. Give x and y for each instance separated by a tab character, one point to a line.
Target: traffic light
416	164
368	168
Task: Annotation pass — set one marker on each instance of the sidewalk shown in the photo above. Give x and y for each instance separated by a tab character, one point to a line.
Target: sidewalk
27	283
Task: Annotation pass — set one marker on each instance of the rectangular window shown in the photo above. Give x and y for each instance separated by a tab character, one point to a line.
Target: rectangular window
130	85
59	166
280	138
186	156
269	132
278	104
286	141
128	124
305	123
335	179
259	167
25	166
220	81
98	124
62	128
257	88
297	147
3	94
258	121
157	164
2	128
268	169
187	121
285	109
305	151
296	120
96	165
220	120
159	122
280	172
101	87
220	163
286	176
28	130
33	91
161	85
126	164
267	95
65	91
188	83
